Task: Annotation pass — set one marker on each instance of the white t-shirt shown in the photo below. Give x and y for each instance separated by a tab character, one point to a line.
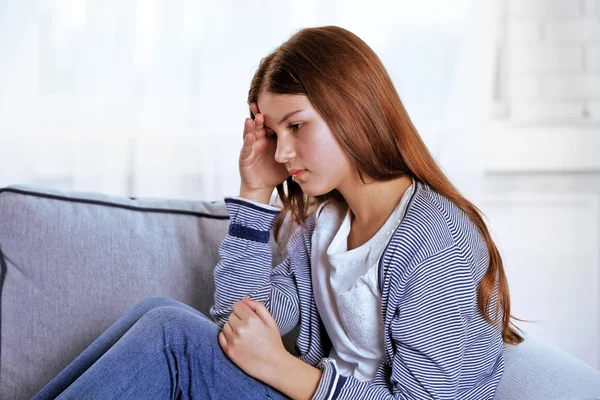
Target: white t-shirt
346	290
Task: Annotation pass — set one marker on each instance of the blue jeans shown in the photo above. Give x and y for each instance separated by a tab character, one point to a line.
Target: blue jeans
160	349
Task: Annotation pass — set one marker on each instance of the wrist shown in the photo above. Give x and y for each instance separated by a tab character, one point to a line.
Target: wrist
293	377
259	196
278	369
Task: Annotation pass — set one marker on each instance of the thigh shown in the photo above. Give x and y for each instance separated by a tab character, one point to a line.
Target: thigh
170	352
204	369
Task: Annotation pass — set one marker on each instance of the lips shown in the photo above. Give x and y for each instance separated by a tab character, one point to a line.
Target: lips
296	173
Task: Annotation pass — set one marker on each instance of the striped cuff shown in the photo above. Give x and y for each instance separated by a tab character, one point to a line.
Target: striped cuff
249	220
265	206
331	381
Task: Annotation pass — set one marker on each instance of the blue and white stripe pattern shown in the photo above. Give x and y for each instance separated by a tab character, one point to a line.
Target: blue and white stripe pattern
437	344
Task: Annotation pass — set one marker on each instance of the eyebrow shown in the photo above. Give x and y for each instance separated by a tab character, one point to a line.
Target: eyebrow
286	117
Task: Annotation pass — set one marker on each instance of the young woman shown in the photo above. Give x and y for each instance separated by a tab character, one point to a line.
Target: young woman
392	275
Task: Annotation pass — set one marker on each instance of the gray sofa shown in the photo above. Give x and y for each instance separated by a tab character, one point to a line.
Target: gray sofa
73	262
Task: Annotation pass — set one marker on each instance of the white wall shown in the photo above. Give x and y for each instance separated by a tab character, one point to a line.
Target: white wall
542	183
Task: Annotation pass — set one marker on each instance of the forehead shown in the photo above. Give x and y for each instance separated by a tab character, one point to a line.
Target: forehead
275	104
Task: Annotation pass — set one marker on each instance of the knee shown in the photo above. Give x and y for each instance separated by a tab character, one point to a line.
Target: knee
178	325
150	303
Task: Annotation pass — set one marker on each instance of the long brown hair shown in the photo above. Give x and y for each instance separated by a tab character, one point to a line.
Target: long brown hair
349	87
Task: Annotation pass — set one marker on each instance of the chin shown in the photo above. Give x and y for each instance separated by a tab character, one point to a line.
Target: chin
314	191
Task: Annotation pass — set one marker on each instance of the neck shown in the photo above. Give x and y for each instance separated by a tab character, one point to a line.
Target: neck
371	204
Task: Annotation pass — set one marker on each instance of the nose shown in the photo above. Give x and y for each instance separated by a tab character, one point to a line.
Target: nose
285	151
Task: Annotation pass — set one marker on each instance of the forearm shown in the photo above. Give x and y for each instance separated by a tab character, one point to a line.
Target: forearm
240	273
294	378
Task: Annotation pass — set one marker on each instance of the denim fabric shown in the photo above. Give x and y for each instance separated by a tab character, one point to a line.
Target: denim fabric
160	349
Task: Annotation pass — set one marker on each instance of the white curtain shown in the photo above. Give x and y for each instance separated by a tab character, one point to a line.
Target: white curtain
147	98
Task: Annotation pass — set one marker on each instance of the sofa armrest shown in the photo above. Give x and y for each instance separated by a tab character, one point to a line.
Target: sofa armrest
535	369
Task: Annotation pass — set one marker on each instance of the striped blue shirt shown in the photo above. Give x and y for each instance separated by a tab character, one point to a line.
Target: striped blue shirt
437	344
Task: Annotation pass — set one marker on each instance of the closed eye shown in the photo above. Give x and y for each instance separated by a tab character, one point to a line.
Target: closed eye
273	135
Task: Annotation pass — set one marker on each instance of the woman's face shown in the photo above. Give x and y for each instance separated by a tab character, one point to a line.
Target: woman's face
304	142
